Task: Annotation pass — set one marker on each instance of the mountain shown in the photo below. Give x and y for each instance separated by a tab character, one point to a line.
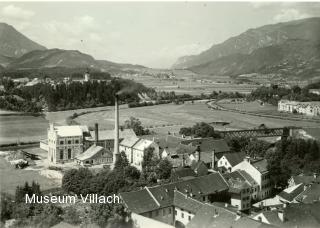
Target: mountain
59	58
277	48
14	44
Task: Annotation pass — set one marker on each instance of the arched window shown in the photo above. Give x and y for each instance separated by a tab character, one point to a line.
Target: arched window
61	154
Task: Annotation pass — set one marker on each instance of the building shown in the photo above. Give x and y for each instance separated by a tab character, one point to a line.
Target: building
306	180
159	203
134	149
95	155
65	142
257	170
229	160
306	108
314	91
105	138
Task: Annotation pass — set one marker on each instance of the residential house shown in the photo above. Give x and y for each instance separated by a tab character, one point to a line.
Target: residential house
306	180
126	145
229	160
307	108
257	169
65	142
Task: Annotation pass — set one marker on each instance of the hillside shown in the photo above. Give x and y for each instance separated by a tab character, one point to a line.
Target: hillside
15	44
266	39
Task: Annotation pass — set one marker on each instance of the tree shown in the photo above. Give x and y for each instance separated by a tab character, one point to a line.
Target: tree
121	162
132	173
149	165
135	124
164	169
71	215
77	181
6	206
256	147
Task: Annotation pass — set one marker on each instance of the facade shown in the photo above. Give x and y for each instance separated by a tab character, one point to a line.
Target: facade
138	151
305	108
257	169
95	155
229	160
65	142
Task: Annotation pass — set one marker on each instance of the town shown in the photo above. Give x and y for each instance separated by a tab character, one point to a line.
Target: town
140	115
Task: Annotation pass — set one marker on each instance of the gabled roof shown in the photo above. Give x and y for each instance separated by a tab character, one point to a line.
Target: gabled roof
184	172
236	182
209	144
74	130
142	144
247	176
310	195
290	193
305	179
168	141
235	158
139	201
129	142
185	149
109	134
183	201
91	152
261	165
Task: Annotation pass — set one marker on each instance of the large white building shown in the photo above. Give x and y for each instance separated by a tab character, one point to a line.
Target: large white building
65	142
257	169
307	108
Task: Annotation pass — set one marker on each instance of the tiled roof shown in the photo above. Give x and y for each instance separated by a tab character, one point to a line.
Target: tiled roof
142	144
209	144
91	152
305	179
310	195
129	142
139	201
260	165
290	193
183	201
247	176
164	194
185	149
235	158
109	134
184	172
75	130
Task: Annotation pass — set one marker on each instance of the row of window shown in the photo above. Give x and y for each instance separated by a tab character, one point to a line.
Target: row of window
182	214
266	186
69	142
62	154
165	211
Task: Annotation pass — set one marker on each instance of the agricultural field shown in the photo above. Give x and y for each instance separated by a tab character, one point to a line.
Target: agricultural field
170	117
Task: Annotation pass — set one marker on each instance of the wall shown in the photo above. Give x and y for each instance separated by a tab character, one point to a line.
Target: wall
183	216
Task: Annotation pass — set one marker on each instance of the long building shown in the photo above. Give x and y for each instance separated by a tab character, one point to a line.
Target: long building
311	108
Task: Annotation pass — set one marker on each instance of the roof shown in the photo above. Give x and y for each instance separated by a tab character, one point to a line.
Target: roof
139	201
91	152
183	201
292	192
142	144
247	176
296	215
209	144
168	141
305	179
109	134
271	202
260	165
236	182
129	142
74	130
235	158
185	149
310	195
184	172
163	195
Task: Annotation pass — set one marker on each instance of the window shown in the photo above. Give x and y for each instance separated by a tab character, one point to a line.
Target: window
163	212
69	141
203	198
182	215
69	153
61	142
61	154
189	217
77	141
175	212
169	211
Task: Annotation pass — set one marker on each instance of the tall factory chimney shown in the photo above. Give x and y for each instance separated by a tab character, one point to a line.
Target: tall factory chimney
96	133
116	129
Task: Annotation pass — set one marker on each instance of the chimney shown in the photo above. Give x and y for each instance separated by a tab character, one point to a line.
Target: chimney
116	129
247	159
96	133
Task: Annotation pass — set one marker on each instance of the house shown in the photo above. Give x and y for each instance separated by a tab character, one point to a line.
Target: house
306	180
105	138
292	215
199	167
229	160
134	149
314	91
157	202
307	108
95	155
65	142
257	170
289	194
210	150
182	173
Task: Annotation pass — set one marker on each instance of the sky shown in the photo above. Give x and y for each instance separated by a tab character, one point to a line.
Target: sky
153	34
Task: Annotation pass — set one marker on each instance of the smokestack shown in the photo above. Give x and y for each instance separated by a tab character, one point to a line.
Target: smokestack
96	133
116	129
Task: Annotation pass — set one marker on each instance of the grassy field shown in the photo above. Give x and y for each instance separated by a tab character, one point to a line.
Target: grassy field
15	128
159	117
20	176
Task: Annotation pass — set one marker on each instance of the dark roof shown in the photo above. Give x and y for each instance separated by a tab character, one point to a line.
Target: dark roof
235	158
139	201
185	149
183	201
310	195
206	157
209	144
154	197
184	172
168	141
296	215
292	192
236	182
247	176
260	165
